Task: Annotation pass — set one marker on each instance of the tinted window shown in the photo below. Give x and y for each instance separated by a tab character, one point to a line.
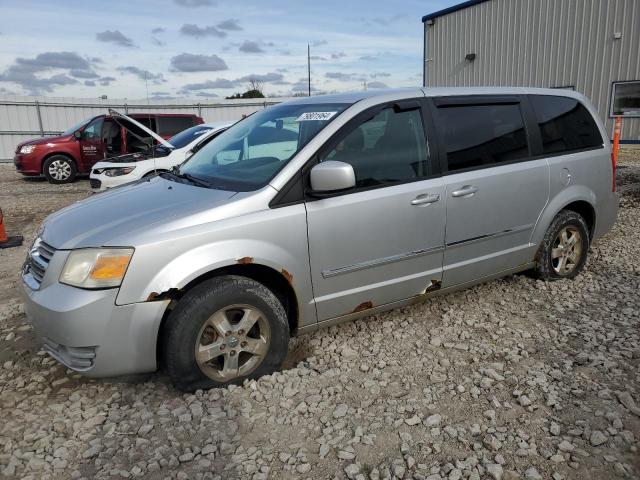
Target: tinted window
389	147
565	124
171	125
185	137
482	135
148	121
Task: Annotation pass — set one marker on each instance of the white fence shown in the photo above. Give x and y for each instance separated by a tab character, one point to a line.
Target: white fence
23	118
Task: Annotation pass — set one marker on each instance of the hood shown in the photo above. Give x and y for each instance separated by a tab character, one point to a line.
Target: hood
137	156
45	140
136	127
126	158
117	216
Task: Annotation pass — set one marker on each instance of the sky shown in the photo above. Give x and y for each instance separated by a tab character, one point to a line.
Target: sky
208	48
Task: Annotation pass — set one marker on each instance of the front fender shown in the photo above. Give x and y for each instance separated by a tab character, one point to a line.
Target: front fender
274	238
571	194
197	262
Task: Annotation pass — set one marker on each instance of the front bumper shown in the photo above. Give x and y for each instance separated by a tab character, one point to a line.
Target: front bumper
26	164
87	332
100	182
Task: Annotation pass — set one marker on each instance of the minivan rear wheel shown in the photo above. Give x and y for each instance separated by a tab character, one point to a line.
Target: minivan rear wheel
563	252
59	169
223	331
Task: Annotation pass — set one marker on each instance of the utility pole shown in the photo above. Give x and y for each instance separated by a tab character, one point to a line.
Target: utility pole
309	66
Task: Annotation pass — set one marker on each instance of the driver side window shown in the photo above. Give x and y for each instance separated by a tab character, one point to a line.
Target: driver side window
388	148
93	130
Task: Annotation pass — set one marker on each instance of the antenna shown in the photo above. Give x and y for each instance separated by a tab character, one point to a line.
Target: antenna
153	149
309	66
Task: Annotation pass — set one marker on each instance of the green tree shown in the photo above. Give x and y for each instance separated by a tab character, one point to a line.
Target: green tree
254	90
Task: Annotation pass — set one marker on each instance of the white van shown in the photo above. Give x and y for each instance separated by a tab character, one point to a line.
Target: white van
162	158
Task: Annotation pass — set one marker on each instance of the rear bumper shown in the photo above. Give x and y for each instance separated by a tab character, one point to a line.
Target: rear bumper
606	215
87	332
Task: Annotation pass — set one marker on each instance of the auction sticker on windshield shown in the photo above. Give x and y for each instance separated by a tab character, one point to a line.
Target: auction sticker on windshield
315	116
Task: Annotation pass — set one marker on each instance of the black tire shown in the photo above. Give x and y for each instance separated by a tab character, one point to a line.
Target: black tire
547	267
59	169
186	322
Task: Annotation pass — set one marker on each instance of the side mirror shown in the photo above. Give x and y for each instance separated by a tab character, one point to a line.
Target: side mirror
77	134
331	176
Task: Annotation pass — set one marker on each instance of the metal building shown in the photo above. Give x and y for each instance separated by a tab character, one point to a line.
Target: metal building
592	46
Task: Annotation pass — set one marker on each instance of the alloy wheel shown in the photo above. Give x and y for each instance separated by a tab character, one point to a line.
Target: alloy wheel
232	342
60	170
567	250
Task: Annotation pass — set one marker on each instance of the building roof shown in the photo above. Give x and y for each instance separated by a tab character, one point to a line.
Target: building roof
454	8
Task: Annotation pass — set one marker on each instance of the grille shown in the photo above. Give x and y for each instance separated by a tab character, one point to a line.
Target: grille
37	262
95	183
76	358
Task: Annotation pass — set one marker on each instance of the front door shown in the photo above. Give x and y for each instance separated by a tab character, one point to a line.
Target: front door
382	241
91	144
495	192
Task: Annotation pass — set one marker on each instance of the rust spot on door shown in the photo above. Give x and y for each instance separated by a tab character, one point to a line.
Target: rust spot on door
245	260
288	276
363	306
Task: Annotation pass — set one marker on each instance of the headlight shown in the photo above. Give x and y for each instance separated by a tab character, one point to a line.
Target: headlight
27	149
96	267
116	172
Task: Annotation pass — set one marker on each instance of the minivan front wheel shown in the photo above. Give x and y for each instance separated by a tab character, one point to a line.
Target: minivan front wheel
223	331
563	252
59	169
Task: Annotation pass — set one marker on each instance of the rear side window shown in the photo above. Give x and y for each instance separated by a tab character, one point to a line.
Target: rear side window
169	126
482	135
148	121
388	148
565	124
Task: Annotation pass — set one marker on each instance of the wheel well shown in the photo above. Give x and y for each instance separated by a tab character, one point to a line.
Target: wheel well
275	281
586	211
56	154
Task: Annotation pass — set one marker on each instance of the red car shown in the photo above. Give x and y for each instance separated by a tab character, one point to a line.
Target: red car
60	159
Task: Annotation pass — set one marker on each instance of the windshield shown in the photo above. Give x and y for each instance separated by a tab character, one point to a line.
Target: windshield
250	153
187	136
77	126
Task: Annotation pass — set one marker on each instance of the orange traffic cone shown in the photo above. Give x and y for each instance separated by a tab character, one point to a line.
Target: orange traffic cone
8	242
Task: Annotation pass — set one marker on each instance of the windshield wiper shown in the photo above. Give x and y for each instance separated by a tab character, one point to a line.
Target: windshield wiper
174	172
198	181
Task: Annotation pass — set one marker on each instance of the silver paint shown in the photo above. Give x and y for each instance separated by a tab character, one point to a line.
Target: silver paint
345	256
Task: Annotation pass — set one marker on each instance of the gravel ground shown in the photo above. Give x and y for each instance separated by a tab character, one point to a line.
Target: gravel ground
515	378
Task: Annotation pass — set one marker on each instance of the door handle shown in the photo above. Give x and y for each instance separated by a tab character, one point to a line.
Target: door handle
465	191
425	199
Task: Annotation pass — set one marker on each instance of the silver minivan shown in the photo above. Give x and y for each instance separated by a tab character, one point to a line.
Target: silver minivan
314	212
